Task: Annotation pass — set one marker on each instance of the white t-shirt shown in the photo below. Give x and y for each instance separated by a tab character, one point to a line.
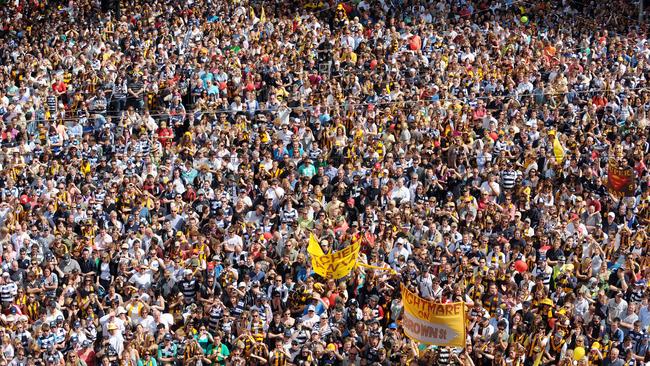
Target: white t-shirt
141	279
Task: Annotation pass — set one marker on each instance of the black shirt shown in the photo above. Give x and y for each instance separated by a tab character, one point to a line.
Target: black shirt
136	86
88	265
276	328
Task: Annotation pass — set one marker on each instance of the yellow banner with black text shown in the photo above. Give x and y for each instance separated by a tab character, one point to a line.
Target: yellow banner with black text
433	323
335	265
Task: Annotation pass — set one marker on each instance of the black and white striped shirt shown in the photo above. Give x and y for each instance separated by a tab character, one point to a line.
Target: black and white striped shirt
119	91
444	356
324	329
216	314
508	179
315	153
189	289
289	216
8	292
144	146
51	103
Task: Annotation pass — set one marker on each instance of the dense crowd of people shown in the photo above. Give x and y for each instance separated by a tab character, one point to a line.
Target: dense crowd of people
164	164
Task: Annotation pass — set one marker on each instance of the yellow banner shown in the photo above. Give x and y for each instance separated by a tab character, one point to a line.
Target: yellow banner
558	150
361	264
335	265
314	248
433	323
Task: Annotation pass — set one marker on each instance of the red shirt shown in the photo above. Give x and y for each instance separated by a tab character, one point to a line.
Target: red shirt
415	43
639	168
88	356
596	203
479	113
59	87
165	136
599	101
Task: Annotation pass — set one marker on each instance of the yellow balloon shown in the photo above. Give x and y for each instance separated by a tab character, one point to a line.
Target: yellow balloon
578	353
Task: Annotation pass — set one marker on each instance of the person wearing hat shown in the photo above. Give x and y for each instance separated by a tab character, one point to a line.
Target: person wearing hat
373	306
401	248
482	329
323	326
353	313
331	356
189	286
8	289
115	338
311	318
299	355
546	306
609	223
117	318
78	332
595	356
307	169
556	347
